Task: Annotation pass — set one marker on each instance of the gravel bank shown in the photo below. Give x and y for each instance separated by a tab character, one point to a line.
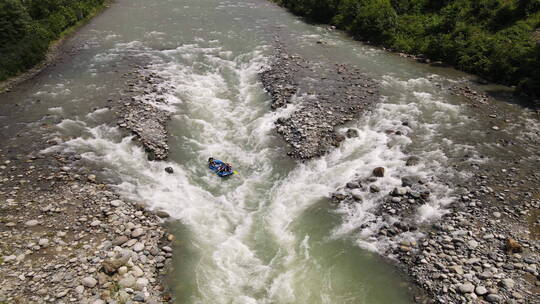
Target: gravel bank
331	95
66	236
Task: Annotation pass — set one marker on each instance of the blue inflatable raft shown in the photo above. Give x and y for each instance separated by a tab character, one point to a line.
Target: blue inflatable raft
216	168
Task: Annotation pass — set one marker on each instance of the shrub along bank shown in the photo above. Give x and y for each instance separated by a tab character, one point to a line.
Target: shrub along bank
27	28
496	39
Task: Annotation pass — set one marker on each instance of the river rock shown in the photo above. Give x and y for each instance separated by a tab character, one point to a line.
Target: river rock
122	270
466	288
169	170
374	189
512	246
493	298
412	161
89	282
162	214
79	289
31	223
378	172
127	282
138	247
141	283
139	297
507	283
137	271
111	265
480	290
120	240
351	133
407	181
137	232
43	242
400	191
353	185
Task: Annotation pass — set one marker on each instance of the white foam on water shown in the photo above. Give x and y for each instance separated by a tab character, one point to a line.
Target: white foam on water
56	110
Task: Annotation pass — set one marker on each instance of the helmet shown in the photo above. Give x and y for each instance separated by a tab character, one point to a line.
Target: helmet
210	159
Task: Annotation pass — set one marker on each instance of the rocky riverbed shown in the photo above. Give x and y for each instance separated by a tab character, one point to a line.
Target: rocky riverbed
142	112
66	236
331	95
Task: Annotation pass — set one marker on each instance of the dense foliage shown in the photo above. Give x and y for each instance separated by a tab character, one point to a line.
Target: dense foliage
497	39
27	27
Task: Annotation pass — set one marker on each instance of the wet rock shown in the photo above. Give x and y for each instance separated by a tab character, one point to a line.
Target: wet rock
378	172
412	161
374	189
352	133
399	191
353	185
407	181
162	214
169	170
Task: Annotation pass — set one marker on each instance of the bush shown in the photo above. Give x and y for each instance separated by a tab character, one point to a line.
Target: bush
497	39
28	27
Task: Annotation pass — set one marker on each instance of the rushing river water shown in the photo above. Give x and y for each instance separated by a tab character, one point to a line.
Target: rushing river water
269	234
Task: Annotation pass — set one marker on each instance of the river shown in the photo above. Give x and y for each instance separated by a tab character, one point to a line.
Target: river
270	233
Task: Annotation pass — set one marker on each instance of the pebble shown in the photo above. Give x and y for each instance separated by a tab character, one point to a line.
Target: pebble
466	288
137	232
138	247
480	290
493	298
127	282
31	223
89	282
79	289
508	283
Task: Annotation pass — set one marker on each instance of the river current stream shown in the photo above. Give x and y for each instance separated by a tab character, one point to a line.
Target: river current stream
269	234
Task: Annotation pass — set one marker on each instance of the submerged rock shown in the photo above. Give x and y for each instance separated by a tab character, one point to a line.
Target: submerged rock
412	161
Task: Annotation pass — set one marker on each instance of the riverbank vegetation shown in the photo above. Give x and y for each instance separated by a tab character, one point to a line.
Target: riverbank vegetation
496	39
27	28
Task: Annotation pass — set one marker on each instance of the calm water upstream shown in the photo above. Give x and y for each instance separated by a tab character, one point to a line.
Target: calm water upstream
268	235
